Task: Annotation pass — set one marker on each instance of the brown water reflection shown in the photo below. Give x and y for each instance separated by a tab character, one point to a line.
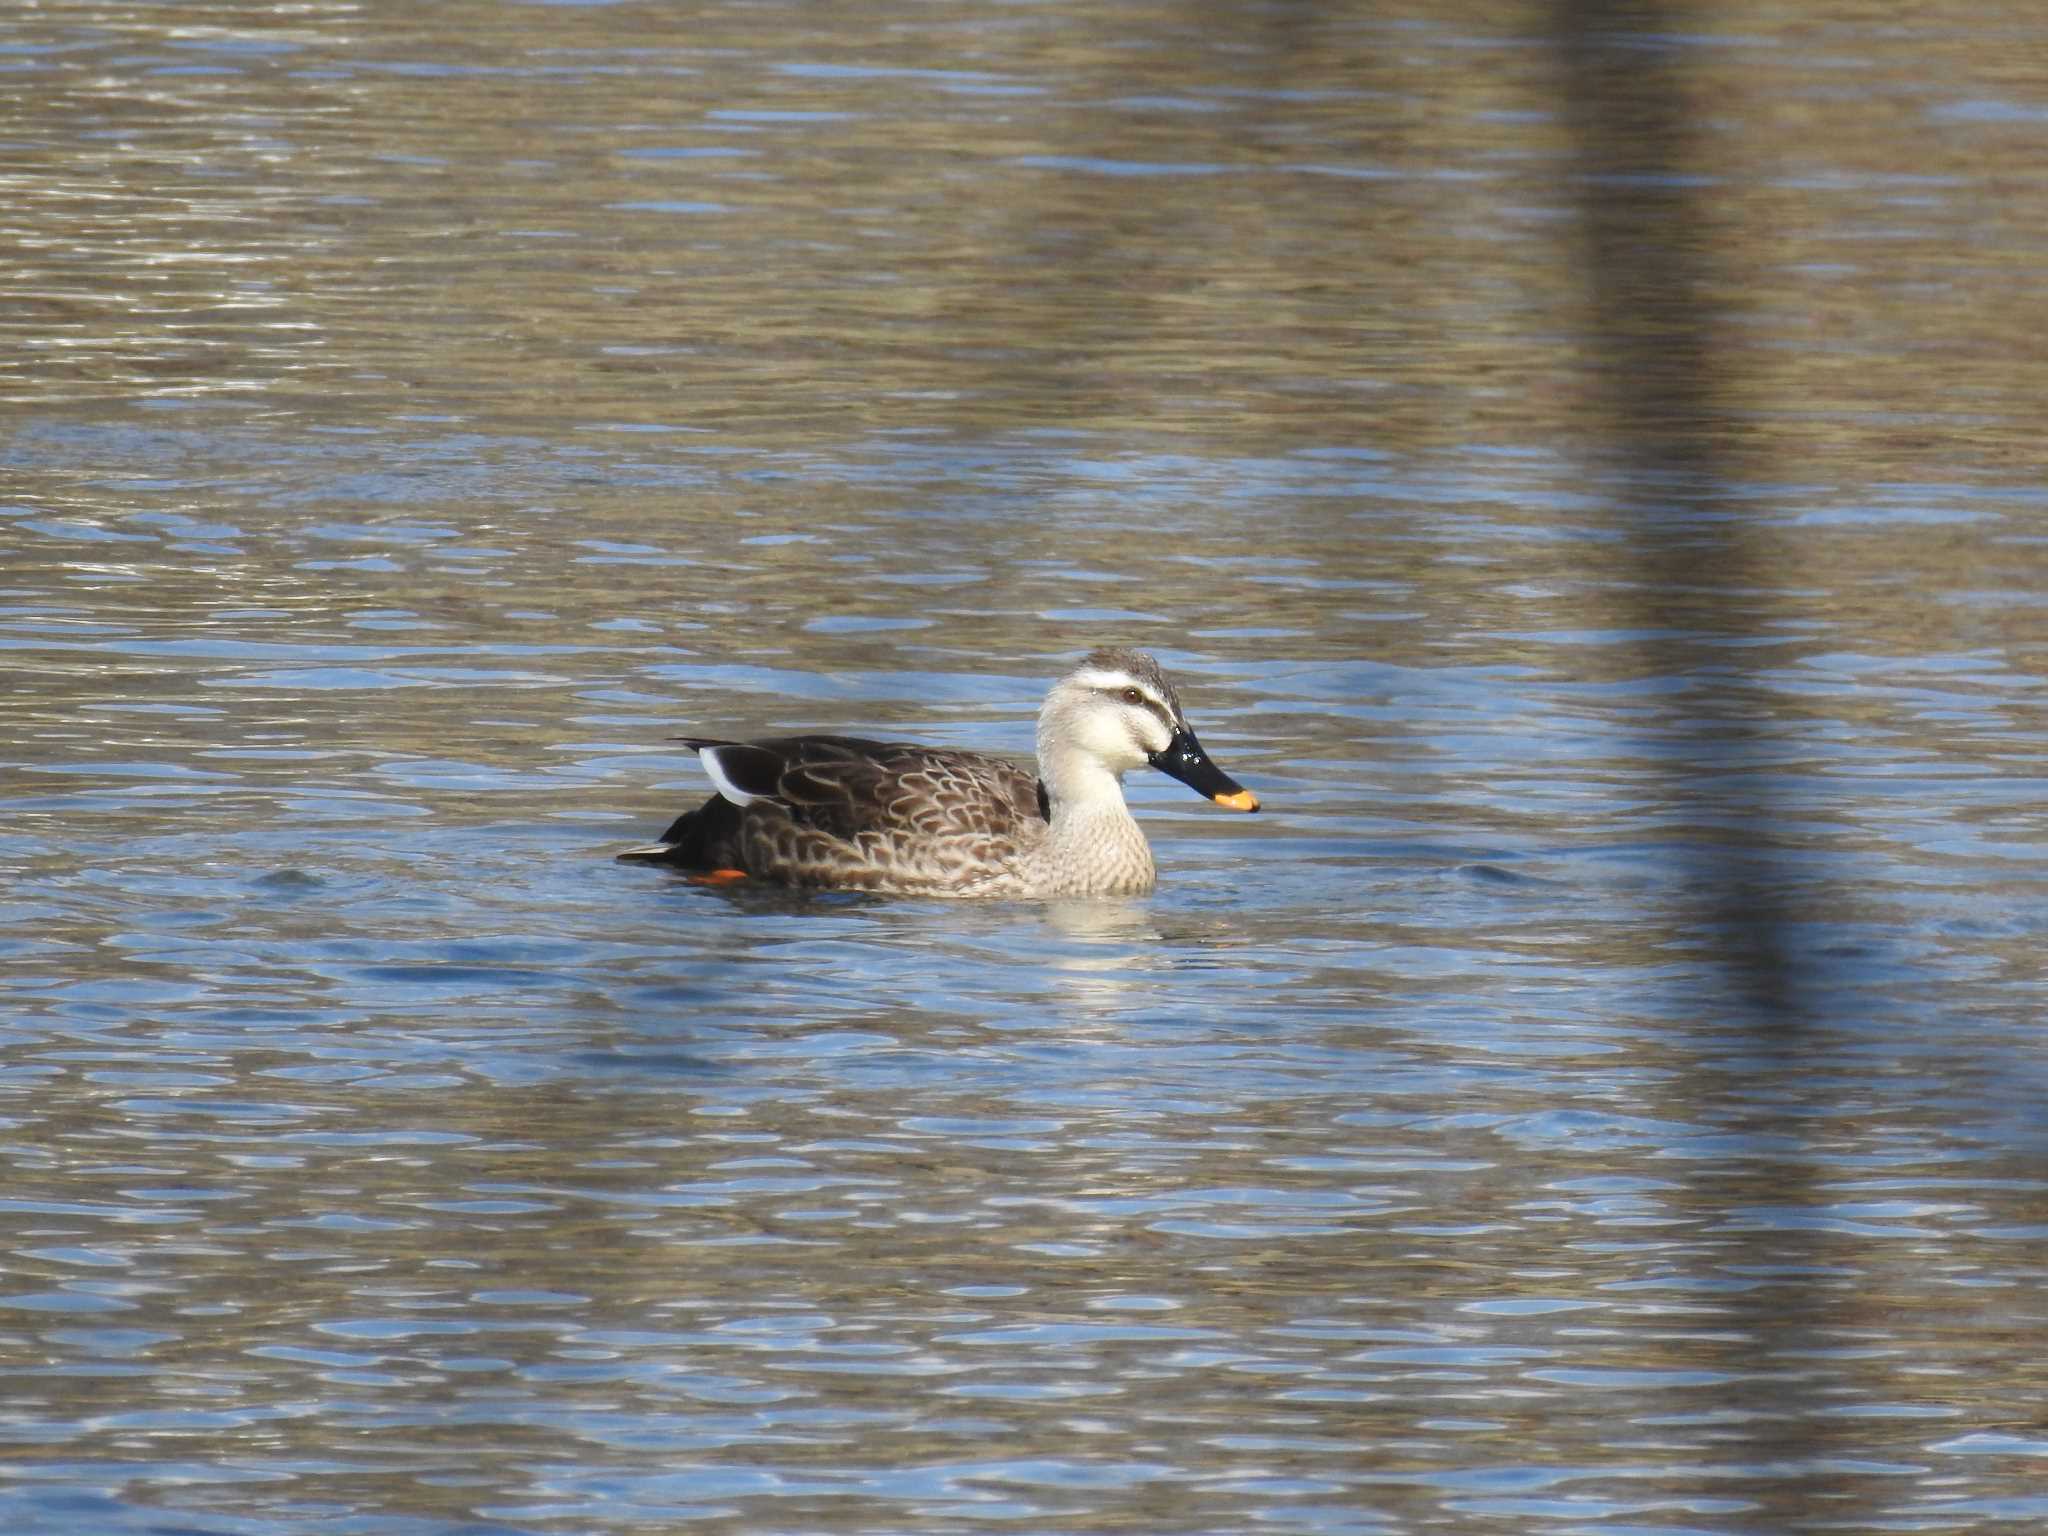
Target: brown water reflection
1271	226
1543	438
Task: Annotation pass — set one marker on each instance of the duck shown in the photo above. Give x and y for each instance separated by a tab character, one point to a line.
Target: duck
822	812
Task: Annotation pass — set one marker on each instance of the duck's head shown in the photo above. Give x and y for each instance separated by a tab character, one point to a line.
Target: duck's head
1118	711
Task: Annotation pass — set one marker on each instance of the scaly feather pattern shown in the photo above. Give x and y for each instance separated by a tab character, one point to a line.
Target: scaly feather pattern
845	813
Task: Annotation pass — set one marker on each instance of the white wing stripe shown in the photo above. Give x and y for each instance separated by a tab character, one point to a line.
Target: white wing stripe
727	790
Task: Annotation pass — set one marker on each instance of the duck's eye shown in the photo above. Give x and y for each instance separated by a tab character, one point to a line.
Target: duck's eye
1132	696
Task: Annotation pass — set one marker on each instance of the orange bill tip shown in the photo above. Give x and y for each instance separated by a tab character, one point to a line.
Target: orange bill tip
1239	800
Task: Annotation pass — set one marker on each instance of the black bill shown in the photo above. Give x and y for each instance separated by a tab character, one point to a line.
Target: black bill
1185	760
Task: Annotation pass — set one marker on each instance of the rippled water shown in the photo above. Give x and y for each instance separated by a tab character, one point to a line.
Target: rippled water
424	414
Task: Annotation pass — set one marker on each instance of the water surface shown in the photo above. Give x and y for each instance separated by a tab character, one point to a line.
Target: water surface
417	416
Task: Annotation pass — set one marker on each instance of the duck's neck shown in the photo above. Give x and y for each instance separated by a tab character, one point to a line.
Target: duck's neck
1093	839
1081	786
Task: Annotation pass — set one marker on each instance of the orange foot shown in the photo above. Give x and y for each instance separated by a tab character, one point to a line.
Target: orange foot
718	877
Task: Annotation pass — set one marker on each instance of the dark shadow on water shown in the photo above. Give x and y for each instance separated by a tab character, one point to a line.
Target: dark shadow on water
756	899
1675	454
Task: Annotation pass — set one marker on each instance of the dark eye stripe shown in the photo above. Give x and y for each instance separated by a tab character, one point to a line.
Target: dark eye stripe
1165	715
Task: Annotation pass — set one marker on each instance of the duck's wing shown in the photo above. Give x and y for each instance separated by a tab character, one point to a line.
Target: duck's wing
846	786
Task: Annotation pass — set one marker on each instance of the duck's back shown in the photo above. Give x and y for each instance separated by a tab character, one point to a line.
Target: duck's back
848	813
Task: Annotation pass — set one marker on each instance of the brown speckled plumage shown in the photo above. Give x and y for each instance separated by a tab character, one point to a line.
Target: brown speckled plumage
843	813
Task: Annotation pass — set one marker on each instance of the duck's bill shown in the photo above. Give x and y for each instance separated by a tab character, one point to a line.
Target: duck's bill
1185	760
